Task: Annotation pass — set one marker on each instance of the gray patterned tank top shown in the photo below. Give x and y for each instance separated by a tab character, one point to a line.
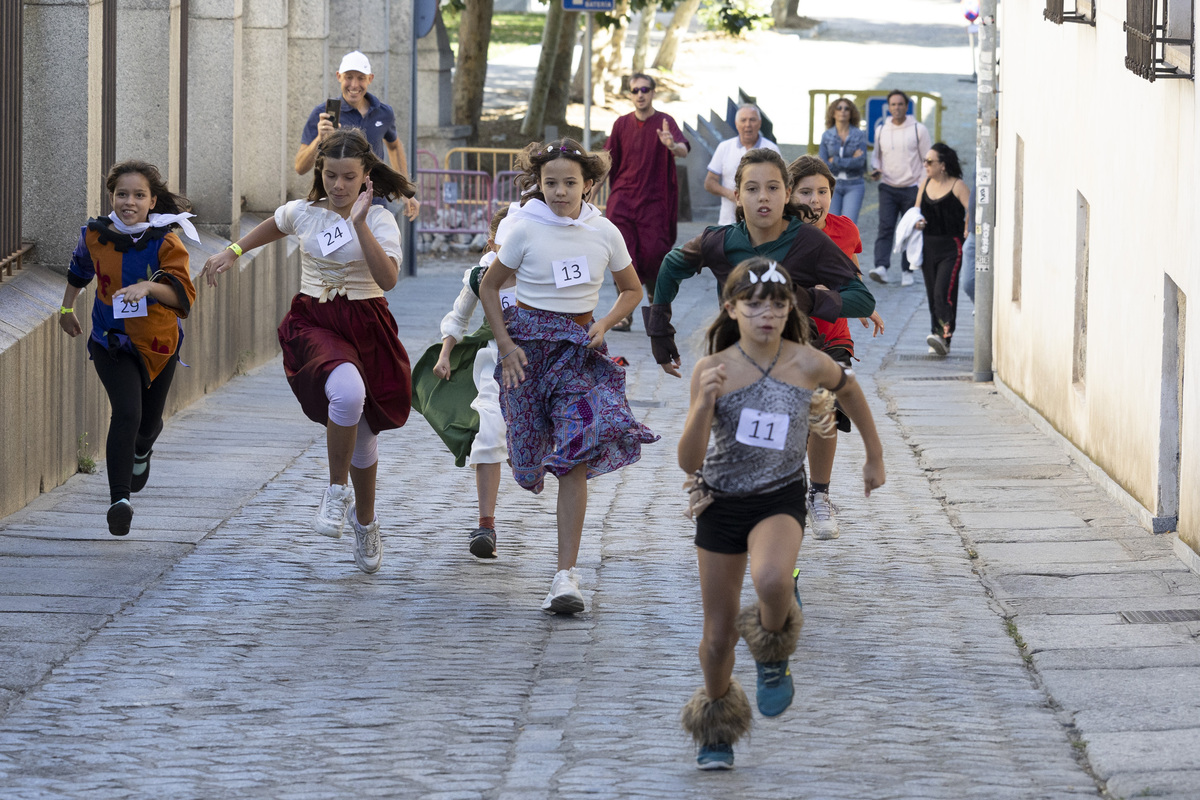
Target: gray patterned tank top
760	437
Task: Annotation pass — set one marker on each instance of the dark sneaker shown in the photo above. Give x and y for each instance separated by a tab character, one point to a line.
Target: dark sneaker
715	756
141	471
774	693
483	542
120	516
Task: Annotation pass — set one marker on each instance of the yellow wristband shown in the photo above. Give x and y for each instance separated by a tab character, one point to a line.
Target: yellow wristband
237	251
64	310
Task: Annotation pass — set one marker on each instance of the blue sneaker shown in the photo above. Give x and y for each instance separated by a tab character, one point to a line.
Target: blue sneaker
796	586
715	756
775	690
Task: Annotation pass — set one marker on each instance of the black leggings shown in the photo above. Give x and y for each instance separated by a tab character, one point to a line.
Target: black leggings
136	412
941	263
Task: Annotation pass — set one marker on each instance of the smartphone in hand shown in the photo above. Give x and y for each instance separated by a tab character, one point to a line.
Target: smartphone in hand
333	108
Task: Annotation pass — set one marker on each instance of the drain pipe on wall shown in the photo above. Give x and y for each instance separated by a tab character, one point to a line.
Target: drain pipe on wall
986	126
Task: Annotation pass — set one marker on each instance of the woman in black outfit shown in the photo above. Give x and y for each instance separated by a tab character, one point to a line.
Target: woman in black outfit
943	200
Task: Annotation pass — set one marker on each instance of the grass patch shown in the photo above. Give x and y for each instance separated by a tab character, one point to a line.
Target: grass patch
509	31
85	462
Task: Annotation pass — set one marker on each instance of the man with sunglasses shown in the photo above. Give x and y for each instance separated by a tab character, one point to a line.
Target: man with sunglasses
722	168
897	163
643	198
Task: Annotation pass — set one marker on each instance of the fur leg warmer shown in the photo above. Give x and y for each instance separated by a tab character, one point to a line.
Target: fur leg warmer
725	719
770	646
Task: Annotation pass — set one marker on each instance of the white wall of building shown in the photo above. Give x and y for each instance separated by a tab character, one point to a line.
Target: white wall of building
1091	127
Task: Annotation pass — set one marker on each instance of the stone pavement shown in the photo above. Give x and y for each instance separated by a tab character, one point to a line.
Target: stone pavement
973	633
225	650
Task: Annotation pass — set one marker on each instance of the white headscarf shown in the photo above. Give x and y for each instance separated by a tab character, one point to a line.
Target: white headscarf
157	221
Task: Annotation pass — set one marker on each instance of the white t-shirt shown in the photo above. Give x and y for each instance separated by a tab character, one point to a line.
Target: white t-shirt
342	271
724	164
536	249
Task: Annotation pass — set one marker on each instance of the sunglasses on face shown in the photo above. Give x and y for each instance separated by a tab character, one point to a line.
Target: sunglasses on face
932	161
842	108
641	90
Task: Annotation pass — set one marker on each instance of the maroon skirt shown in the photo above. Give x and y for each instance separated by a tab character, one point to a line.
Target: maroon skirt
317	337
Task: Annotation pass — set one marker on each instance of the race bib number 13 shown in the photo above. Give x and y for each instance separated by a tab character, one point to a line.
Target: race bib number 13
335	237
762	429
571	272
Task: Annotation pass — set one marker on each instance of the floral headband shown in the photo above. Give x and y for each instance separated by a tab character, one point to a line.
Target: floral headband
561	149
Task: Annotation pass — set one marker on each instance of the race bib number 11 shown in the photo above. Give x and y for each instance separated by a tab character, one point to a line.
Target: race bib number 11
571	272
762	429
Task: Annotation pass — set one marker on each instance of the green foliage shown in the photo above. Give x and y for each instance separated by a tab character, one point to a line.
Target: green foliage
733	17
84	461
509	31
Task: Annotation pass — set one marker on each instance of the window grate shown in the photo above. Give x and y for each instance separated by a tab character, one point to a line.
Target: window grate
1146	40
1161	617
1058	15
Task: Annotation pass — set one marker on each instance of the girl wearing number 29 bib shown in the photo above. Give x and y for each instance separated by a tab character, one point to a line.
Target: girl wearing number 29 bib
754	396
341	349
562	397
143	290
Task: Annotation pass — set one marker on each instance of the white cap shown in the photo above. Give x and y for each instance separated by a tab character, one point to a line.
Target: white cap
355	62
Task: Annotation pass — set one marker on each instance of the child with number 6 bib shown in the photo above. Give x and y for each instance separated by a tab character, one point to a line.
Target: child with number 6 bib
341	347
563	398
455	389
143	289
755	396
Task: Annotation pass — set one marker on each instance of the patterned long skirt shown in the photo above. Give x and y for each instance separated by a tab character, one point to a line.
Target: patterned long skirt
571	407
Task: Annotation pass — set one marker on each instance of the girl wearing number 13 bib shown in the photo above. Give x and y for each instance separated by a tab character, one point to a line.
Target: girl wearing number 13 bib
341	349
754	396
562	397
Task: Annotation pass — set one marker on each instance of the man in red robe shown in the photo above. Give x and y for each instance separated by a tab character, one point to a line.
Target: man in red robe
643	199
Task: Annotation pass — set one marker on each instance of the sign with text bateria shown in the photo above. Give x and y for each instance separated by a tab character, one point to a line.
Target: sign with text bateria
588	5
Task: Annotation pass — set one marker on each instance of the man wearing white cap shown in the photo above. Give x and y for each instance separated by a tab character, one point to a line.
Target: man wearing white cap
362	110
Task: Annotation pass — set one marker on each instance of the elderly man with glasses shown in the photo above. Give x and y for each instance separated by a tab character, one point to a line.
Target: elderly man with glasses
643	199
722	168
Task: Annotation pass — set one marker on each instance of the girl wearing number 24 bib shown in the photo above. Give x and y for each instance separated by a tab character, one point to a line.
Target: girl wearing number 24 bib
562	397
755	396
341	348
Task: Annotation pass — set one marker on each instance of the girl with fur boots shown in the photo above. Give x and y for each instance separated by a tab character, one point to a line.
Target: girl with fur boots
755	395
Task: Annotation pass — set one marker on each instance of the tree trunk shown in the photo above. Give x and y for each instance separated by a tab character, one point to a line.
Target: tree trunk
532	126
616	49
470	73
665	60
560	77
601	39
645	25
784	11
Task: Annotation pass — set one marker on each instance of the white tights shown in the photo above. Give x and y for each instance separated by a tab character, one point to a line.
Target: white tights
347	397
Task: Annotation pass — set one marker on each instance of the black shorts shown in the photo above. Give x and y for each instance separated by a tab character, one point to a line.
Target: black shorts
724	527
842	356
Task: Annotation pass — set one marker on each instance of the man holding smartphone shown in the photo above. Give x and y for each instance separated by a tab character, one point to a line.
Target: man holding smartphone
359	109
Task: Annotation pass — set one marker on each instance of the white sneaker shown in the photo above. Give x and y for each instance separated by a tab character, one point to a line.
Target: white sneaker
564	596
937	344
879	274
331	516
822	514
906	278
368	549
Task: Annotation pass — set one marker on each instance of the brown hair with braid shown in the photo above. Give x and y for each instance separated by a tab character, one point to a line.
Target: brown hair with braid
351	143
740	286
536	155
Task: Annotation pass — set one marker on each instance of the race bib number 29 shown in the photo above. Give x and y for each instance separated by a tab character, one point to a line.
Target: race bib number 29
127	309
571	272
762	429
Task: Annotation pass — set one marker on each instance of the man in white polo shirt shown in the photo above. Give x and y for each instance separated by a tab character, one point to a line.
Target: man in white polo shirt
723	167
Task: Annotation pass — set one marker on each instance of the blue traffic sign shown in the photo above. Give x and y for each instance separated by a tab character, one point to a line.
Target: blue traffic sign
588	5
877	110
